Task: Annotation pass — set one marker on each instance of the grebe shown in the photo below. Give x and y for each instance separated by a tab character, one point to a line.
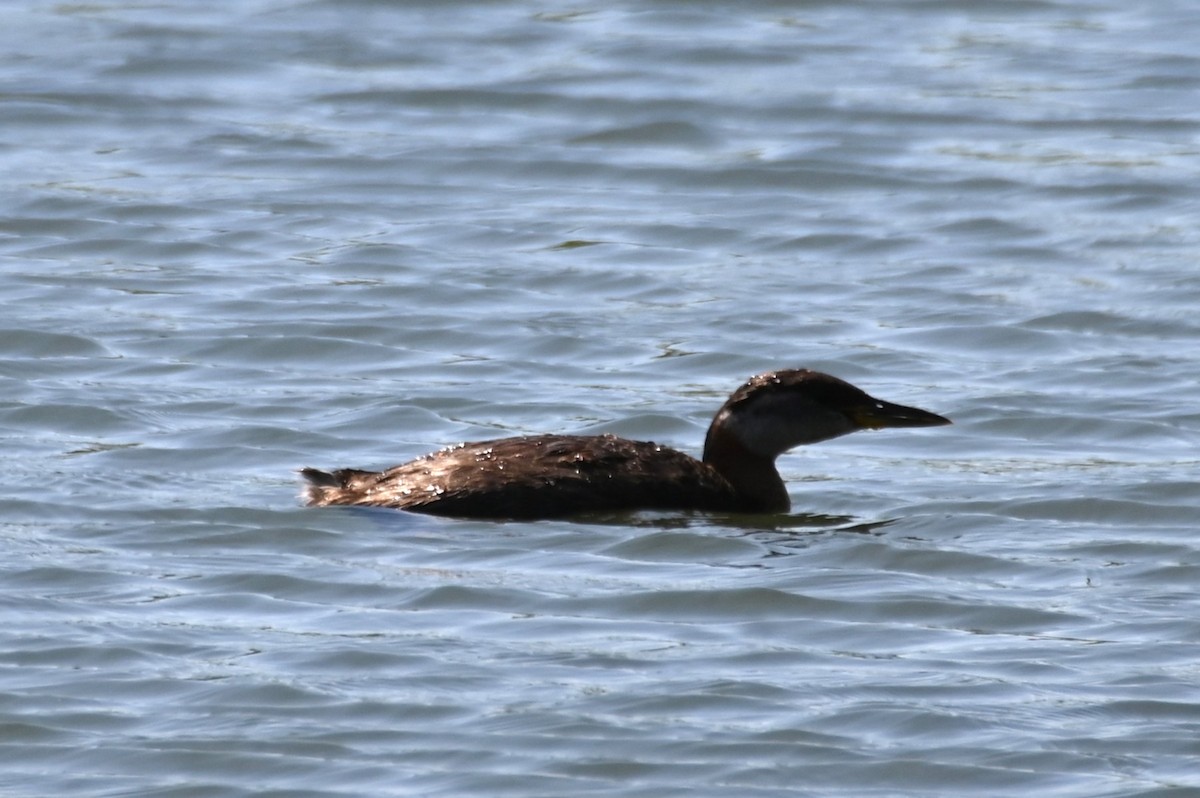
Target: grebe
543	476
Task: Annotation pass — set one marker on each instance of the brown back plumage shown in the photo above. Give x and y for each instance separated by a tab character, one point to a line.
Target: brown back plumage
537	476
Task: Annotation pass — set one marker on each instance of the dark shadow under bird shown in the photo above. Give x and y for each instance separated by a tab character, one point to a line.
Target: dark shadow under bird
546	476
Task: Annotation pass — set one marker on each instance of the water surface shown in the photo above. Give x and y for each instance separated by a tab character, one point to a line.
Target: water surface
241	238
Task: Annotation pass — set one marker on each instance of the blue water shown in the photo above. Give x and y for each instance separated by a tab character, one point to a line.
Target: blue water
241	238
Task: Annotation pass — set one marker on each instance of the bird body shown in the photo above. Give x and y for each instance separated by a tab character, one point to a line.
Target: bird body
534	476
543	476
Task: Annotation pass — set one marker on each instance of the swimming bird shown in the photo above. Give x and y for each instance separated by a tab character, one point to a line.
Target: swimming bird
545	476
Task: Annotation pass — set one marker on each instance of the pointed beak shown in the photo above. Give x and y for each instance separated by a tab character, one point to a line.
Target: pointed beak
877	414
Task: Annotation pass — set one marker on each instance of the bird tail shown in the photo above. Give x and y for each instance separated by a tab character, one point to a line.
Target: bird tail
331	487
319	484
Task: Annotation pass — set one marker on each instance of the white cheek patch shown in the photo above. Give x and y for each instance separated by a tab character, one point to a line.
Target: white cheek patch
772	424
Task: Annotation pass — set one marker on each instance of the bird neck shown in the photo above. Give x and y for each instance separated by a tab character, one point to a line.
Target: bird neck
753	476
